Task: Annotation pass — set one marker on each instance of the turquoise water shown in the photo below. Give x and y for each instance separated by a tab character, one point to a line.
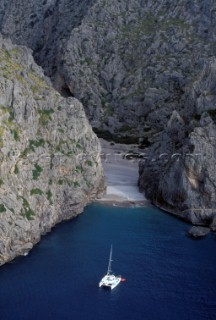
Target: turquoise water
169	276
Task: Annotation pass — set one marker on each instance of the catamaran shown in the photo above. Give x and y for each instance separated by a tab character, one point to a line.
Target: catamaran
110	280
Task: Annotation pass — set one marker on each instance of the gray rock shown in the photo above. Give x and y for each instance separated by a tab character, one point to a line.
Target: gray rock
134	65
198	232
182	179
129	60
49	156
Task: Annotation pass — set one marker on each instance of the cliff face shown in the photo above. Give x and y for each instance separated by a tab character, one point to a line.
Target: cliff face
50	157
129	62
145	70
178	173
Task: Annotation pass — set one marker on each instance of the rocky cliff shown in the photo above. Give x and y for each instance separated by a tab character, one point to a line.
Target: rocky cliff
49	156
129	62
145	71
178	172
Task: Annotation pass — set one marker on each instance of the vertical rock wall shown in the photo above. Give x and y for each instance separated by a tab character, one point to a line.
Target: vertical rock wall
49	156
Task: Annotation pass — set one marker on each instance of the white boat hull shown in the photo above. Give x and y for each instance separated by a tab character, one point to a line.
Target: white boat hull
110	281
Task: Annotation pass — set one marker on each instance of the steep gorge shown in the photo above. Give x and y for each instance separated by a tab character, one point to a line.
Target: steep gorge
145	72
131	63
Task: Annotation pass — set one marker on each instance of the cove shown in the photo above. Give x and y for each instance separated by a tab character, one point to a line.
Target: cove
169	275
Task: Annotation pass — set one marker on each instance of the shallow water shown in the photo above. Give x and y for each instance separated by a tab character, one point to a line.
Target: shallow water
169	276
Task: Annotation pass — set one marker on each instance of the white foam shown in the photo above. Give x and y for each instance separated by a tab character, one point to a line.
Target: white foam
130	193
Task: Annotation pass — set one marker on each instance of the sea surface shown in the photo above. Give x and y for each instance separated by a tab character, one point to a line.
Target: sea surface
169	276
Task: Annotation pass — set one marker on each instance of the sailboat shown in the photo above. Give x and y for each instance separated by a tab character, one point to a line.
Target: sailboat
110	280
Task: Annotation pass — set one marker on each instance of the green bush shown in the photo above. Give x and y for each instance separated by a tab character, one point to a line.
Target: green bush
2	208
76	184
89	163
36	191
79	146
15	134
37	171
49	196
24	153
45	116
16	169
78	169
26	211
36	143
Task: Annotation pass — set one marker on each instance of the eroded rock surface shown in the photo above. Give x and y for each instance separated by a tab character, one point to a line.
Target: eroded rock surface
131	62
144	70
179	172
49	156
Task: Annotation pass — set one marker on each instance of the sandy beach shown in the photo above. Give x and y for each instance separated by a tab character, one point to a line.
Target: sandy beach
121	174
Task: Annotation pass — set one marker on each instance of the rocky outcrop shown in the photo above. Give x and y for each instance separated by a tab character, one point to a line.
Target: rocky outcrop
198	232
179	172
131	63
49	156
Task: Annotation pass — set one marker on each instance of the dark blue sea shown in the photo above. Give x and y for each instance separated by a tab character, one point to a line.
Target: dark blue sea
169	276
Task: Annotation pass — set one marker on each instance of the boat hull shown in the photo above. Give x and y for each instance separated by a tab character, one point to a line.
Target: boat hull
110	281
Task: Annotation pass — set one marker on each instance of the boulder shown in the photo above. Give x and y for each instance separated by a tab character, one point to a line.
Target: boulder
198	232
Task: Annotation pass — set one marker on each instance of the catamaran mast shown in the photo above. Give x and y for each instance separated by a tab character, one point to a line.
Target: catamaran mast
110	261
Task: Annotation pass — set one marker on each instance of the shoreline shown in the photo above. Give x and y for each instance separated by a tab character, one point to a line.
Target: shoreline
121	176
121	179
122	203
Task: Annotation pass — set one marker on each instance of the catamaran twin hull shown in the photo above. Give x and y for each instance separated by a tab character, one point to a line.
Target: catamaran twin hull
110	281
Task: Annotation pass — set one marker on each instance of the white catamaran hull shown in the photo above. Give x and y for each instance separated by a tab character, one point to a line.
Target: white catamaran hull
110	281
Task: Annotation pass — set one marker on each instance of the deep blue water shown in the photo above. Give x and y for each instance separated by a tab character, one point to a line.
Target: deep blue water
169	276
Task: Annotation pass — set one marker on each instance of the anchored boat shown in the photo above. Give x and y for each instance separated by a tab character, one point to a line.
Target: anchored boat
110	280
